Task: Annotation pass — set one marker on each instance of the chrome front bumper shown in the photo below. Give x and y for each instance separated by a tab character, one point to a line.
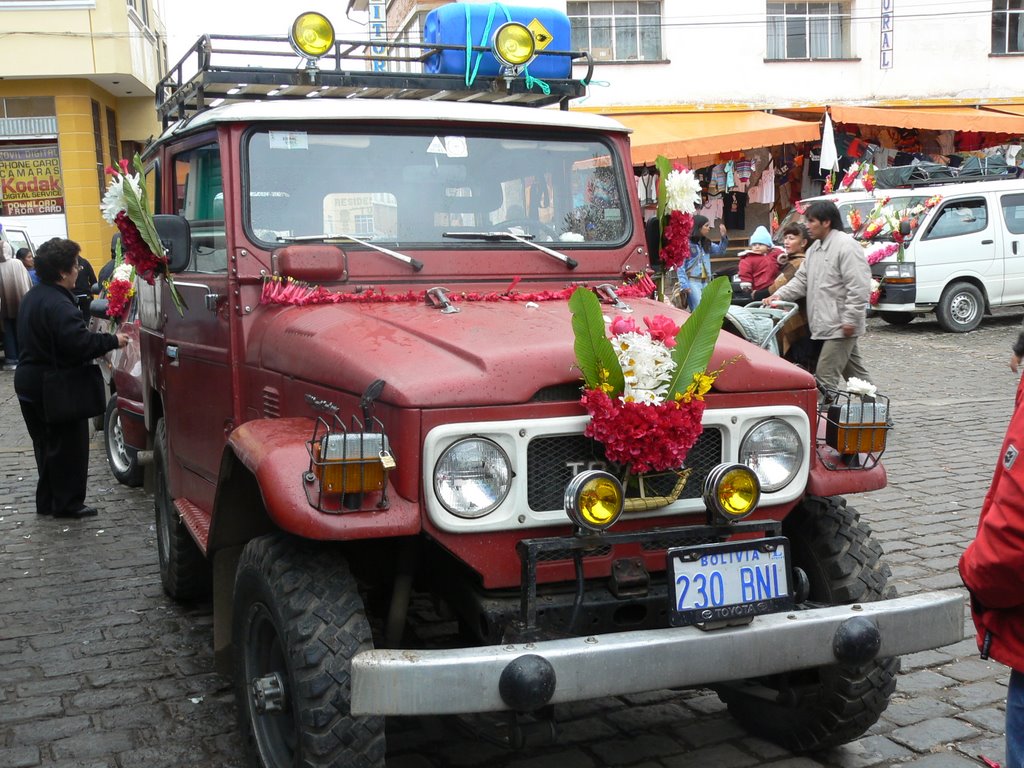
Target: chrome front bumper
412	682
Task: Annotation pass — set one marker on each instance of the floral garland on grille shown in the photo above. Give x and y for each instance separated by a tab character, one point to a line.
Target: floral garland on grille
644	388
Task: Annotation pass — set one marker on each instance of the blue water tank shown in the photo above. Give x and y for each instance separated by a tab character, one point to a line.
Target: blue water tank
450	24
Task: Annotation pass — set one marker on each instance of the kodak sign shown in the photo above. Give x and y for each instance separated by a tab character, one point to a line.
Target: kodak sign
30	180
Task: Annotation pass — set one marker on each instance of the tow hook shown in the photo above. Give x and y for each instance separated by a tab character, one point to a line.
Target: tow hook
268	694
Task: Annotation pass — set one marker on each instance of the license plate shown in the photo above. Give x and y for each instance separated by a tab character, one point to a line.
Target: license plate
729	582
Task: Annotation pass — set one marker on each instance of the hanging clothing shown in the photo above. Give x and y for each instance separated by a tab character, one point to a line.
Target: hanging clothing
734	215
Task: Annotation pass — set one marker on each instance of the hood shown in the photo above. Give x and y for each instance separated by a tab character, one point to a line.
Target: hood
488	353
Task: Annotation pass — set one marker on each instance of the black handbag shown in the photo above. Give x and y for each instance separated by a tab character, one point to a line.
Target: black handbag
73	394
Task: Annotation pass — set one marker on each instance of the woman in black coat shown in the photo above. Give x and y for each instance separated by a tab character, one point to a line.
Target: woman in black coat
52	334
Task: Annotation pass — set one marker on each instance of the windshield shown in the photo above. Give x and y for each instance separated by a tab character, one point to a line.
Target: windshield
413	189
872	218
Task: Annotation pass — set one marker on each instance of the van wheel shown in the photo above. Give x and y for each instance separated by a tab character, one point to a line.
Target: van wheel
960	309
123	459
897	318
298	622
184	572
813	709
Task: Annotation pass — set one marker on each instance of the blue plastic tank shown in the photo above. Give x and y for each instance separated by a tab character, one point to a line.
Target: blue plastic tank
450	24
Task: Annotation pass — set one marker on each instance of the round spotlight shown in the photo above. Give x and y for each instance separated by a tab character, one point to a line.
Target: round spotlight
731	492
593	500
514	45
312	35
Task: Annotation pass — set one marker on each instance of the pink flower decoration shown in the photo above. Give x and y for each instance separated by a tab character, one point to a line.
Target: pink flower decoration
661	329
621	325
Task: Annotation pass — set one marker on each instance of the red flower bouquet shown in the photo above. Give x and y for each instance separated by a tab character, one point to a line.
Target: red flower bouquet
644	388
126	205
678	196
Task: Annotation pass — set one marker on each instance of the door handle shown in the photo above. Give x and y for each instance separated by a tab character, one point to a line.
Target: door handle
172	351
987	242
1013	246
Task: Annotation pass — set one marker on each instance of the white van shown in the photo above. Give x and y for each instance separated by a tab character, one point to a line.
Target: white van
16	235
963	256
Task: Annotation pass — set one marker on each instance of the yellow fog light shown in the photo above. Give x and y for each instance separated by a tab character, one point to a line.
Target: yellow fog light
312	35
514	45
593	500
731	492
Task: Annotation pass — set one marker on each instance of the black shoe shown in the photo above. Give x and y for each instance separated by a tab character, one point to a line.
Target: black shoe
78	514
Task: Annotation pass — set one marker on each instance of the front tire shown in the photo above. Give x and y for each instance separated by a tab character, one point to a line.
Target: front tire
123	459
960	308
298	622
184	572
815	709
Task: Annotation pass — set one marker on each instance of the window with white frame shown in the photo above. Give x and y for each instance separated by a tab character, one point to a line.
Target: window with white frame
617	30
141	8
808	30
1007	26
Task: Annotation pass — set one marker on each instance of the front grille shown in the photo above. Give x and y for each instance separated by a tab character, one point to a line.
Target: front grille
553	461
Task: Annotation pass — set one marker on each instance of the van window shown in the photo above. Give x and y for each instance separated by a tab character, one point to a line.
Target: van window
199	197
959	217
17	238
1013	212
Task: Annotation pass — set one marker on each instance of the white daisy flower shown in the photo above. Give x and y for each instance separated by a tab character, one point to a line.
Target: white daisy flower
682	191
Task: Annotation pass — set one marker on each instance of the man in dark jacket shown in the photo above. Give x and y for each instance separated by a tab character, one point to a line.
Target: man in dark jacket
992	568
84	284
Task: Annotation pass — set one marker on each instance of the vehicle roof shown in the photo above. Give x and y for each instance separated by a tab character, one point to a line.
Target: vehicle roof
926	190
424	112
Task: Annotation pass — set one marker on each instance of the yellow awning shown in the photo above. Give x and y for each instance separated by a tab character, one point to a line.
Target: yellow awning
680	135
931	118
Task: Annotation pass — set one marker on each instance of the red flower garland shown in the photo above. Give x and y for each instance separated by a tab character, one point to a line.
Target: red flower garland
294	293
677	239
644	438
118	294
136	251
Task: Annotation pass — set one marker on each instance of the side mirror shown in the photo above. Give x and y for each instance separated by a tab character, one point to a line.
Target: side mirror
98	309
905	228
652	231
176	236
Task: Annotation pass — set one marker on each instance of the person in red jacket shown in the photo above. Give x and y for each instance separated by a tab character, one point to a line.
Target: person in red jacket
759	264
992	569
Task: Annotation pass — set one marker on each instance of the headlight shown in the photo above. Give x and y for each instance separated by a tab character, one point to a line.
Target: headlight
593	500
774	451
312	35
731	492
472	477
514	45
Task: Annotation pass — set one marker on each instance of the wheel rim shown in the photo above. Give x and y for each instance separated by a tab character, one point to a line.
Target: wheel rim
115	439
267	682
963	308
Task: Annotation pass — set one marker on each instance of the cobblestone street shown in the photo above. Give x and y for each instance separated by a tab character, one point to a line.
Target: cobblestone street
99	668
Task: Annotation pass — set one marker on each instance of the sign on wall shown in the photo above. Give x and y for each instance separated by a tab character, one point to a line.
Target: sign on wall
30	180
378	31
885	43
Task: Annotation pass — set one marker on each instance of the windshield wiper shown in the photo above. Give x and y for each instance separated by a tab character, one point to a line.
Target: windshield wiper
570	262
325	238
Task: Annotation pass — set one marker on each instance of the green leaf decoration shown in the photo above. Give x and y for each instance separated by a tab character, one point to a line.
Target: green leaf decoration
696	339
139	213
594	352
664	166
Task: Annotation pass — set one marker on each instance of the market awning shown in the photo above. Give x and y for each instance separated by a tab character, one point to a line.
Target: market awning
1010	109
931	118
678	135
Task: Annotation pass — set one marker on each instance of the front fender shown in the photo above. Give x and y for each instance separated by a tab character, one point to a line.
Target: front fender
841	482
274	451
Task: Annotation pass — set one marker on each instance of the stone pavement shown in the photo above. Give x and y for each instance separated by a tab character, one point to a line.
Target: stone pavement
99	668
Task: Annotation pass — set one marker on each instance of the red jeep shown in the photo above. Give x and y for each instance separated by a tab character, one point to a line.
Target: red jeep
371	398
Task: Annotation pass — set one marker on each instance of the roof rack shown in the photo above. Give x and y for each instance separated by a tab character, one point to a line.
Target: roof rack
223	71
993	168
